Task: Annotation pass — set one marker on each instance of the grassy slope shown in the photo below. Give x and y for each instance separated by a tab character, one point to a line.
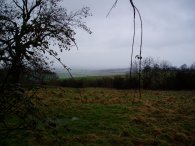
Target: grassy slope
98	116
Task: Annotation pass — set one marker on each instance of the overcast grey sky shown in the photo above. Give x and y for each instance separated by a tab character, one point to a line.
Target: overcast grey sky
169	33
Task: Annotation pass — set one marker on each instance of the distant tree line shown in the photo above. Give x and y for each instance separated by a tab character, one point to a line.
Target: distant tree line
155	75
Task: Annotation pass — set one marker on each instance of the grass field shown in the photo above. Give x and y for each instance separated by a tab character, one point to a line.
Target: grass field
97	116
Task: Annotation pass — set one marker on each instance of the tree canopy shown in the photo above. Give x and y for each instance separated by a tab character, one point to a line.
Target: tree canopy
31	28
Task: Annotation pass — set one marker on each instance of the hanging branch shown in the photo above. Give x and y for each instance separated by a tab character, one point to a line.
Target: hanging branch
135	9
66	68
59	60
133	42
139	57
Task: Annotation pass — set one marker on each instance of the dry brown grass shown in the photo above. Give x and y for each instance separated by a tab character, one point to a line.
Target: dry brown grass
158	118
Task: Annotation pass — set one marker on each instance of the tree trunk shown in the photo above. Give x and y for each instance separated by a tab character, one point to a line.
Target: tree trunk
16	69
13	74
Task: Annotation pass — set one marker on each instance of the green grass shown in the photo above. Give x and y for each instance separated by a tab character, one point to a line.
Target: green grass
97	116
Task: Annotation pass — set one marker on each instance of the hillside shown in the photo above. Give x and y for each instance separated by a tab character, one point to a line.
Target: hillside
62	73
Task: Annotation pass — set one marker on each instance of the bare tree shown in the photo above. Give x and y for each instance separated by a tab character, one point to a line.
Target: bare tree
192	66
30	28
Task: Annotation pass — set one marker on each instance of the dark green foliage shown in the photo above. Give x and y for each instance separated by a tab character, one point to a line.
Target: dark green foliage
18	111
23	115
185	79
168	79
118	82
152	78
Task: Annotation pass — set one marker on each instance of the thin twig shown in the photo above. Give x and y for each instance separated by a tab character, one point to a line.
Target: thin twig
65	67
113	6
68	70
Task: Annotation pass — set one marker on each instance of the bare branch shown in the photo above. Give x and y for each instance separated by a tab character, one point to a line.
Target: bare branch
133	42
16	3
113	6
